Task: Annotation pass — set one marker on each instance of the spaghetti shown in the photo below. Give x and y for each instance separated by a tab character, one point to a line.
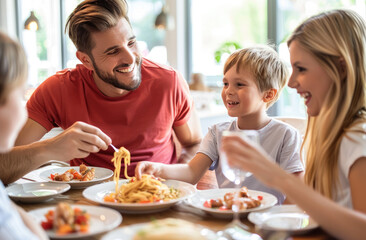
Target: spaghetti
145	190
117	161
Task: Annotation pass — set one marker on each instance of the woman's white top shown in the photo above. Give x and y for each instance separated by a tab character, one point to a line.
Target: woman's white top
353	147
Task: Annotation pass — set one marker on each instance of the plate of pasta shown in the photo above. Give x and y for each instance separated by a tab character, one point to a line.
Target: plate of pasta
207	201
145	195
147	199
77	177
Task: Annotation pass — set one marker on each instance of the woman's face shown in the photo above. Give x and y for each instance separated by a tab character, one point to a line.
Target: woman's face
13	115
309	78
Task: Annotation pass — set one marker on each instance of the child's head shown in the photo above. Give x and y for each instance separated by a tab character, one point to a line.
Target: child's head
264	65
13	75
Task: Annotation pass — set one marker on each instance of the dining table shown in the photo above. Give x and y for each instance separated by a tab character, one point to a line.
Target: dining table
180	210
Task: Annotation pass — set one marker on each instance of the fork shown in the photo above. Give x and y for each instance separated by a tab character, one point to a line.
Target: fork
115	149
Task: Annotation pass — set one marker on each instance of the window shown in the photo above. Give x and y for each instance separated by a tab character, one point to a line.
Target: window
244	23
237	23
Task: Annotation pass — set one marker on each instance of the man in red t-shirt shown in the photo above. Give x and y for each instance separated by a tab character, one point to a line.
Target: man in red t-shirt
114	96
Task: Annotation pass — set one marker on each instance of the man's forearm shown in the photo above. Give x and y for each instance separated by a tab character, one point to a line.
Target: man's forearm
20	161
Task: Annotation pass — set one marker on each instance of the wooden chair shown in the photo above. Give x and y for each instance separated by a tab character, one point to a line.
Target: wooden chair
298	123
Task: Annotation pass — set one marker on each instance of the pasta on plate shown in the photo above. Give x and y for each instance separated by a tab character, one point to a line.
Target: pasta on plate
148	189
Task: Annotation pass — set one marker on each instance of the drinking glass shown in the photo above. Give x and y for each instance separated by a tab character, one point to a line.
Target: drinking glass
237	176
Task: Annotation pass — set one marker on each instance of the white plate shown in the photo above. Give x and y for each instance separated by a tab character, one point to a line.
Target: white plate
285	217
98	192
36	192
128	232
201	196
101	220
101	174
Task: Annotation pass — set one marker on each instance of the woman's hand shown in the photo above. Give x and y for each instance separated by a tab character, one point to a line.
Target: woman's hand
244	155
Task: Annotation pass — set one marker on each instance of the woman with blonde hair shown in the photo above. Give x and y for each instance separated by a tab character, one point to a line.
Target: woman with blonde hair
327	54
14	221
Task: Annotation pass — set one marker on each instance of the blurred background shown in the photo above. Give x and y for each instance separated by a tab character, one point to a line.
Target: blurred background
193	36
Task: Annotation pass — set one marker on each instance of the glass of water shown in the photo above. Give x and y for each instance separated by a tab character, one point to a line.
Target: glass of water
236	175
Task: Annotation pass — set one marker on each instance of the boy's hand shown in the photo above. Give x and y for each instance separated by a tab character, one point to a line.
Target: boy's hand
150	168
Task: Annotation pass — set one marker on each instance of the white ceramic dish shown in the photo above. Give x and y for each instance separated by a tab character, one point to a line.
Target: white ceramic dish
101	220
128	232
101	174
285	217
98	192
36	192
200	197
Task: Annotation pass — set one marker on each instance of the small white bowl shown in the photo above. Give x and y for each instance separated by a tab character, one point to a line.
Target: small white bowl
36	192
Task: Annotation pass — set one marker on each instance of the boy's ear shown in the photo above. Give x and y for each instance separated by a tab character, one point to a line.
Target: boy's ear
269	95
85	59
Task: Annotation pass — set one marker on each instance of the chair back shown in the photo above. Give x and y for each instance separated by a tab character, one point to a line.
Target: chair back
298	123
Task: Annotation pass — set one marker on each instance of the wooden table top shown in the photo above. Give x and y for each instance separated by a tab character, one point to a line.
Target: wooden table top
181	210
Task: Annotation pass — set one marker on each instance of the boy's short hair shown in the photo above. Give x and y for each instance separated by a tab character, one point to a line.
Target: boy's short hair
94	16
265	64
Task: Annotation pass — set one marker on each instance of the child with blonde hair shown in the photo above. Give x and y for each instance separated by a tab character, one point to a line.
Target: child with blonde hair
253	80
327	55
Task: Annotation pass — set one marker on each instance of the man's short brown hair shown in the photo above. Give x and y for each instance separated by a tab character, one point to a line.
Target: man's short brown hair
94	16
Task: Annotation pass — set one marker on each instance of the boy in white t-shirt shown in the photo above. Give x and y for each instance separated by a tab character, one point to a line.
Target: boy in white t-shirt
253	80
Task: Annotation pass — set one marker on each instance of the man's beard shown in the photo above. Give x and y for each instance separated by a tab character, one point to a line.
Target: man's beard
112	79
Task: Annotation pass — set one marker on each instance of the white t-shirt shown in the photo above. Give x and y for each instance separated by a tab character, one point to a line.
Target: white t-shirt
353	147
11	224
280	140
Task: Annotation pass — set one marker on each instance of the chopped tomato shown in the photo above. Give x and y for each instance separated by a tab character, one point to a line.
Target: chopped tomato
81	219
77	175
260	198
52	176
223	208
49	215
145	201
46	225
208	203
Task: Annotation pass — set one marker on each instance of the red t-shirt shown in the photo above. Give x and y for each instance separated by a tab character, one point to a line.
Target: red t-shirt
141	121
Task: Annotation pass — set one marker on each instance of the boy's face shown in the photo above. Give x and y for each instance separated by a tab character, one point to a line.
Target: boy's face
241	95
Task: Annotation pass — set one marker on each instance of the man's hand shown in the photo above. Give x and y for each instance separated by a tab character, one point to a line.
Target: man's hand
78	141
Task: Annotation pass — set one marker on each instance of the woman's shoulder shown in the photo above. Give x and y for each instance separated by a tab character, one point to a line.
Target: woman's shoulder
355	134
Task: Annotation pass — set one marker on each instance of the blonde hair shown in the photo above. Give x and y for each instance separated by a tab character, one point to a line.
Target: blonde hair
94	16
13	66
337	40
266	66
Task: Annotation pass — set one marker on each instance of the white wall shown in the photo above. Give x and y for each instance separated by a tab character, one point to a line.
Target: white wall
176	38
8	17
